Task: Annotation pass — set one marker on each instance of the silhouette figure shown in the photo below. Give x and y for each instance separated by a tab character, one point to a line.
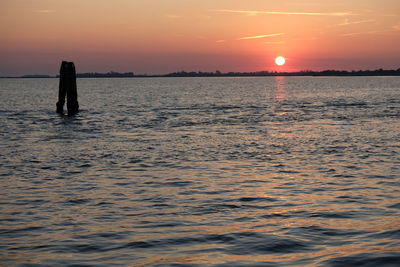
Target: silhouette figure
67	88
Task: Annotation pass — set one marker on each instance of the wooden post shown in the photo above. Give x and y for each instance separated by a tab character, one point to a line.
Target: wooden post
67	87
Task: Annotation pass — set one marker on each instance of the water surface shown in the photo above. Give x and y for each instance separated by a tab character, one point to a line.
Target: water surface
202	172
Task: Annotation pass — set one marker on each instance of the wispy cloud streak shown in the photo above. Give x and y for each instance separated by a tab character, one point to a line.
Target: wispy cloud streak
347	22
369	32
359	33
45	11
256	12
262	36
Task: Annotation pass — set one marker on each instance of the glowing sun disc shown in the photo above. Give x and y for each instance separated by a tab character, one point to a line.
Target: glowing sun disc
280	61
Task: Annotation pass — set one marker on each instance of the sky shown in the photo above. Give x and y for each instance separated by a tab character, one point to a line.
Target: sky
163	36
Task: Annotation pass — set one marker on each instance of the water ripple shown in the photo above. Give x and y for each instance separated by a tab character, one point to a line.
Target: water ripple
201	172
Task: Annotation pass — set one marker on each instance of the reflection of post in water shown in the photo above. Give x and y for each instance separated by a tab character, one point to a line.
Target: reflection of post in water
280	89
67	88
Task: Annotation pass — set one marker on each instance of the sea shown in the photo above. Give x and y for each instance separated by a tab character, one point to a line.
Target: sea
238	171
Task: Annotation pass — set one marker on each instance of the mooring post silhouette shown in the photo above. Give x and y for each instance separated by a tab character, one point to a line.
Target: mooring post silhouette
67	87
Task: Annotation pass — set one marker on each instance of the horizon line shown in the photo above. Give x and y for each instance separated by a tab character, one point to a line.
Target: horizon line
210	73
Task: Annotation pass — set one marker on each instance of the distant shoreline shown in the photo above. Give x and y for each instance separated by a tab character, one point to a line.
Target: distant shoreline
324	73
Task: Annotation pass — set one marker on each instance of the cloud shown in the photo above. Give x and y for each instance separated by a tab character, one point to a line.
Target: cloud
261	36
396	27
358	33
220	41
347	22
255	12
366	33
44	11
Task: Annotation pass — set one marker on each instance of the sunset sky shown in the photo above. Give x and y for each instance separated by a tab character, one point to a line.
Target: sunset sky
161	36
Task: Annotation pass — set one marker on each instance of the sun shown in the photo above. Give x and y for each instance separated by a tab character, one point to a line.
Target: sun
280	61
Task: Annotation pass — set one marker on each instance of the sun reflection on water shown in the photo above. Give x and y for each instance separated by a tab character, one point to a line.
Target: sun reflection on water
280	89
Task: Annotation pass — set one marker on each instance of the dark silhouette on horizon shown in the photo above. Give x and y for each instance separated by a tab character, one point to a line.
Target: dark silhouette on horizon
378	72
217	73
67	87
112	74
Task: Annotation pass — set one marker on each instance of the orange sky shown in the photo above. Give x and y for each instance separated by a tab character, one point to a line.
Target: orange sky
161	36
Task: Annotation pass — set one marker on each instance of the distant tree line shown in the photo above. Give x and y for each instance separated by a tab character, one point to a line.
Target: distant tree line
378	72
36	76
112	74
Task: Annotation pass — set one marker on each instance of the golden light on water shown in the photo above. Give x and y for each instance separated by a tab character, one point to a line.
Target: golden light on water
280	61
